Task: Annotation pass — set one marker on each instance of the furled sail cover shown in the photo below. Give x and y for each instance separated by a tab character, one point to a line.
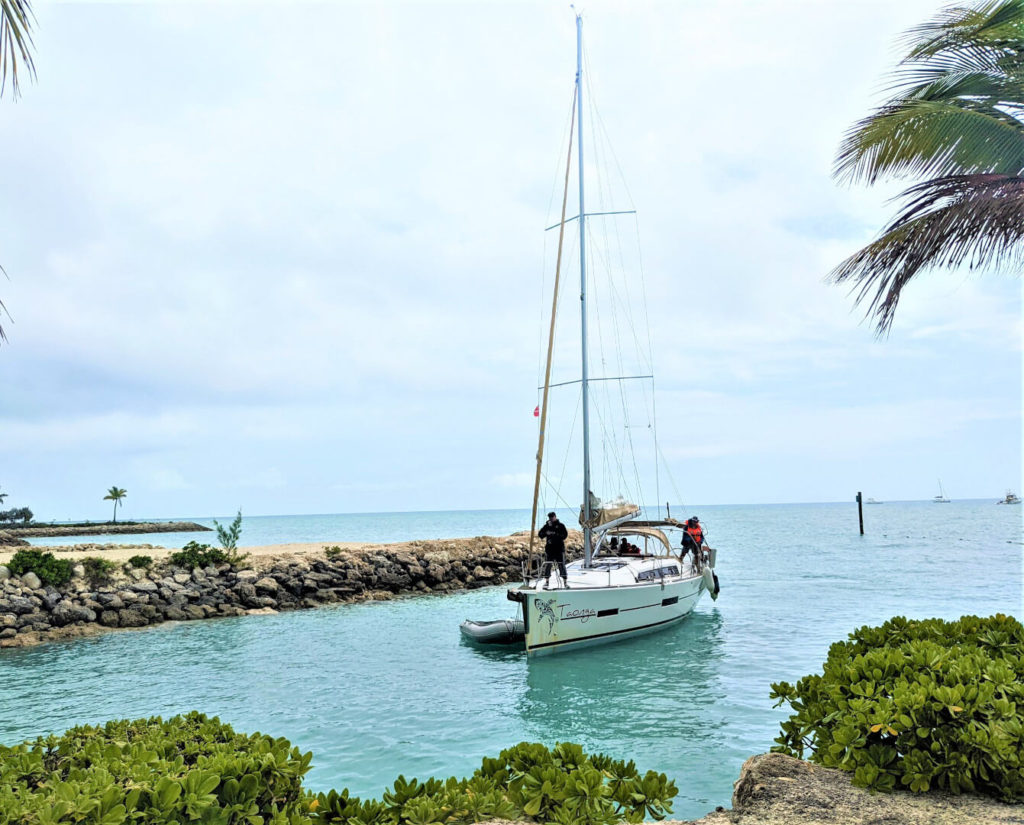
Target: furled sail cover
604	512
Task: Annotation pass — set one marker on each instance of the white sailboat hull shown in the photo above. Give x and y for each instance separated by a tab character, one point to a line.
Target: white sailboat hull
580	616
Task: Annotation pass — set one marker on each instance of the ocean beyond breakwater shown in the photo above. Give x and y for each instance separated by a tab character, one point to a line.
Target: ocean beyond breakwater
379	688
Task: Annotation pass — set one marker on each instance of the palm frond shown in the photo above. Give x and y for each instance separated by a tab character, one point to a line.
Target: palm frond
957	102
932	137
973	220
992	25
15	41
970	59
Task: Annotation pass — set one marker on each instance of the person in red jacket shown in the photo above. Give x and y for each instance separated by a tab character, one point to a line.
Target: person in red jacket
693	535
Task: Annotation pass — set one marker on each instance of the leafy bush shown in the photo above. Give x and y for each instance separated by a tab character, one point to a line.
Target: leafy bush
187	769
142	562
528	781
48	567
97	570
195	769
332	552
917	703
194	555
228	536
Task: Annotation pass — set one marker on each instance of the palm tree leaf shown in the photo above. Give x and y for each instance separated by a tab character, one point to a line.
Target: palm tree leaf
973	220
967	60
959	98
993	24
931	137
15	41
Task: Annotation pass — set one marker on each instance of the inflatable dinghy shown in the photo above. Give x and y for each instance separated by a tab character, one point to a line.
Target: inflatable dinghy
500	632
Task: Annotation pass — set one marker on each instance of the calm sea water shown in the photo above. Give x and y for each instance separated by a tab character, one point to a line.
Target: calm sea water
336	527
375	690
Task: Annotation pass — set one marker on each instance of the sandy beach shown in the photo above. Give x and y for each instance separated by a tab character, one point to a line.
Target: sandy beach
123	552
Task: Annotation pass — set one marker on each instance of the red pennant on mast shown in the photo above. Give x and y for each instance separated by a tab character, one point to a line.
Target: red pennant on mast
536	411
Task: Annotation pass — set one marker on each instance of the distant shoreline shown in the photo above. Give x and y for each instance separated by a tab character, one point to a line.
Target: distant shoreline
101	529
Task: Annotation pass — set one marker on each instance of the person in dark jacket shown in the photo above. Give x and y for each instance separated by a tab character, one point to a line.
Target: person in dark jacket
554	534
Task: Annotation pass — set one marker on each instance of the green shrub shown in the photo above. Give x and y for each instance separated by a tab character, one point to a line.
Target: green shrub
332	552
187	769
195	769
228	536
98	571
194	555
924	704
47	566
526	782
142	562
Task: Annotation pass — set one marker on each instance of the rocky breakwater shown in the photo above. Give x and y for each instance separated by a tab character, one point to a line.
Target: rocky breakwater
31	612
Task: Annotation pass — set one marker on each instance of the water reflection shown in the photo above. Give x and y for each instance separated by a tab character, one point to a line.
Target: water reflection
657	683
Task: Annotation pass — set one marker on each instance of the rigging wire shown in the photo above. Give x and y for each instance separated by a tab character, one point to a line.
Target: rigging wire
619	296
614	281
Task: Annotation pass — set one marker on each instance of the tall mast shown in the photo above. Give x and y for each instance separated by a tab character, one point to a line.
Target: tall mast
583	296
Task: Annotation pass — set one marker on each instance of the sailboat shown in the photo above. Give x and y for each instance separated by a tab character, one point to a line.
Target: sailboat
941	497
634	576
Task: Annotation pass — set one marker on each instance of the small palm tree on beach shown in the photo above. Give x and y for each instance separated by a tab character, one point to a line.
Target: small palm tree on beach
957	119
115	494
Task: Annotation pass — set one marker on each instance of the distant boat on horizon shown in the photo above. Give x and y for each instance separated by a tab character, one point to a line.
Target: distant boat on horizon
941	497
873	501
1011	498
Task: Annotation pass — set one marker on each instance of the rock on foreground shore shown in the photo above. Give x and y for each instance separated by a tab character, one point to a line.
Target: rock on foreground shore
774	789
31	613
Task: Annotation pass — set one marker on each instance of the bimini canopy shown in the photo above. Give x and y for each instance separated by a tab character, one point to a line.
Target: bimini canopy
647	532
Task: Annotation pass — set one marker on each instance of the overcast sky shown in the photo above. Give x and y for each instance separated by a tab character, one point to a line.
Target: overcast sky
288	257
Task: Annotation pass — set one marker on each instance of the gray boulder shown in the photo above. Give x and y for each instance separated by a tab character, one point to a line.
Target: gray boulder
267	585
31	580
129	618
52	598
67	613
109	618
20	605
111	600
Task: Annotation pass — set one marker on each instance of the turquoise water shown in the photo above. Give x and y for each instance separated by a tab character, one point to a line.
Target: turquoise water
337	527
375	690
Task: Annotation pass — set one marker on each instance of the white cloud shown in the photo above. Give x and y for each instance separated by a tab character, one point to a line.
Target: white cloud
308	247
